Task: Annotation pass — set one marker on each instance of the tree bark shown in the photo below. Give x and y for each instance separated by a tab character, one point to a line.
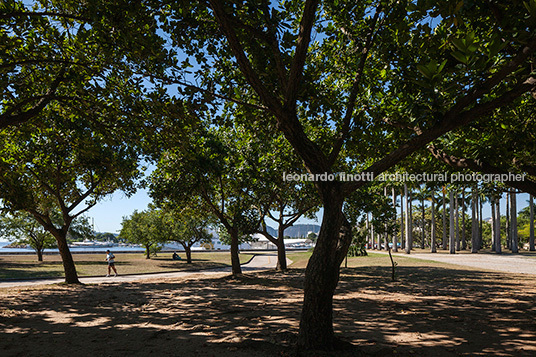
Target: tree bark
444	241
402	234
423	223
508	235
457	208
408	220
498	243
71	277
531	237
281	253
433	248
395	243
39	255
493	224
513	218
452	246
464	241
480	223
235	258
147	251
188	251
321	279
474	229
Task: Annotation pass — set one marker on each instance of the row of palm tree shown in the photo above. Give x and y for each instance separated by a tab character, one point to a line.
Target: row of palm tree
429	223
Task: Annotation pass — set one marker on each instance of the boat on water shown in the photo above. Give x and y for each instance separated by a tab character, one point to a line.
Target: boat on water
91	244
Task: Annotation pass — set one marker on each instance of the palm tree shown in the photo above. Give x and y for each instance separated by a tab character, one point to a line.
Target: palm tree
464	241
513	218
402	240
444	241
395	243
432	224
457	205
474	223
409	224
531	223
498	245
451	230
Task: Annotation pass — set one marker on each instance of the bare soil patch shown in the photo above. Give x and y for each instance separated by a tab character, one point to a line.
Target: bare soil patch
431	311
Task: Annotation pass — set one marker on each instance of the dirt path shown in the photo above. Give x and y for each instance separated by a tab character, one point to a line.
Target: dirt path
506	262
259	262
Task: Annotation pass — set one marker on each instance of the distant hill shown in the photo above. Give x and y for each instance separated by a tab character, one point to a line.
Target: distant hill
297	230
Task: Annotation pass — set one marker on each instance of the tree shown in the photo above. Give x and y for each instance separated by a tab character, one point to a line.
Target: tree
145	228
22	228
61	52
62	164
262	55
187	227
208	170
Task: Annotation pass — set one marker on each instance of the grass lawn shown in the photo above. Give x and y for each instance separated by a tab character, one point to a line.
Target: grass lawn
27	266
300	259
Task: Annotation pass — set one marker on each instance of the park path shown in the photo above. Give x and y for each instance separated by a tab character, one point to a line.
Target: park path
257	263
506	262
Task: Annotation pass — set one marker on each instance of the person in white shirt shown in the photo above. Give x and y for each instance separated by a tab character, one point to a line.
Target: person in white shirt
110	258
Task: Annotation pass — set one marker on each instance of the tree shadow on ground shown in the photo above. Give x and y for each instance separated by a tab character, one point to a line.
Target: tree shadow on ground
430	311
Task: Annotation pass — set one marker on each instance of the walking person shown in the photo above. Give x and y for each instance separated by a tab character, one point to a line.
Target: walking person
110	258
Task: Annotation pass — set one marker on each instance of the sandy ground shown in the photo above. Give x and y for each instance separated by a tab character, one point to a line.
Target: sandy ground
505	262
429	312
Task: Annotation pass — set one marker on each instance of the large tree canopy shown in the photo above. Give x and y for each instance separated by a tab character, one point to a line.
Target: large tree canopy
340	78
66	52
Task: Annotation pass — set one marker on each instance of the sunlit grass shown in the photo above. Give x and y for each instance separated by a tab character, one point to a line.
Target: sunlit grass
27	266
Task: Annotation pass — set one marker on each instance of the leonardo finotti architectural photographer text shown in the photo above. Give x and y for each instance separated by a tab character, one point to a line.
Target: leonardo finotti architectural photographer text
405	177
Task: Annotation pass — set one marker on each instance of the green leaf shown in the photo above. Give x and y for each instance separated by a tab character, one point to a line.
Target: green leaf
460	57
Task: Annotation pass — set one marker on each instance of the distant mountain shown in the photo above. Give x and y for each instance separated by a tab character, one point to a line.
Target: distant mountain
297	230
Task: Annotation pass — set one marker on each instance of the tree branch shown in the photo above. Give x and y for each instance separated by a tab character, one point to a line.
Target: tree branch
243	62
8	118
480	166
220	96
350	106
9	15
448	123
302	45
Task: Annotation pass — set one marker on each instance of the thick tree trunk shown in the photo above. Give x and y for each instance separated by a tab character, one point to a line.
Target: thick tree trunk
188	251
513	223
531	237
433	248
452	246
71	277
39	254
147	251
235	258
281	253
321	278
444	241
498	243
474	227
